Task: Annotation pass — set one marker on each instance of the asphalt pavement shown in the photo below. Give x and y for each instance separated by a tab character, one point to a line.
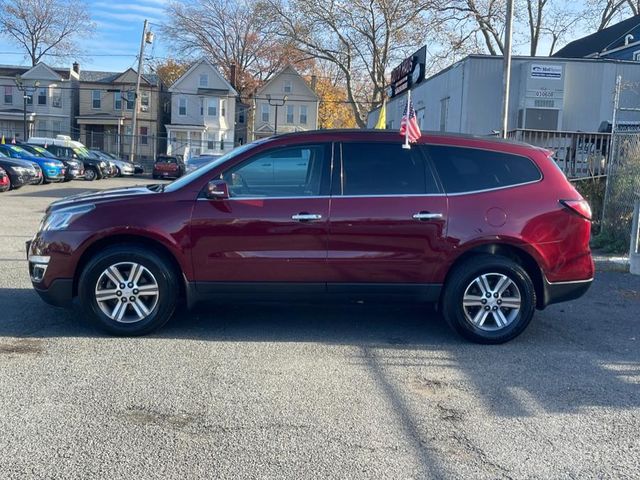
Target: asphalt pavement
311	391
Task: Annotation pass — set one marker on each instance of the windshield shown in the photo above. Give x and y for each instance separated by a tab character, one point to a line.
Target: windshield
19	152
83	153
41	152
189	177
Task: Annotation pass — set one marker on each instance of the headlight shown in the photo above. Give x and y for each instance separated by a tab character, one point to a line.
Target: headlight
102	164
61	219
20	170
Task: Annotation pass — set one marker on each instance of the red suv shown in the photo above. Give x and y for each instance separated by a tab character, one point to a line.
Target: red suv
490	230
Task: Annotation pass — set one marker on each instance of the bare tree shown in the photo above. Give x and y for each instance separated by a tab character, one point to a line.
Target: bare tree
45	27
363	38
229	32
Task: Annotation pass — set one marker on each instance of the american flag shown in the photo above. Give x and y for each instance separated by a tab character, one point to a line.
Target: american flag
411	124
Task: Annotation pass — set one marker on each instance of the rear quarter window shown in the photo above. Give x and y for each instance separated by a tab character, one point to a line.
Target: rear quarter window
470	169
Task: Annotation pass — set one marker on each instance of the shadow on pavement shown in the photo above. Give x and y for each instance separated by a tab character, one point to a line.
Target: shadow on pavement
573	356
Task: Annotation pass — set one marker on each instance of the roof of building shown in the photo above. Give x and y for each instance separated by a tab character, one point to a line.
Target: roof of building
96	76
599	41
13	70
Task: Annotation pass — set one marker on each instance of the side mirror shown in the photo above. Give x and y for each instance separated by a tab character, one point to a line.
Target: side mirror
217	190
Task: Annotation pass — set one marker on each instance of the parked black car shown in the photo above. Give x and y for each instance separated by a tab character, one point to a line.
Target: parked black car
20	172
94	168
75	168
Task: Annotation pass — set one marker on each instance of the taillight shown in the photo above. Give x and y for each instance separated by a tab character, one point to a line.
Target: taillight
579	207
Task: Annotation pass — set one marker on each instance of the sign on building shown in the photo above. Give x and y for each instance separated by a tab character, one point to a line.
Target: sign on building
546	71
409	73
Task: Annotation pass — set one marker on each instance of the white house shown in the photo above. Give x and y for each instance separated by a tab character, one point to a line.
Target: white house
285	104
202	112
50	104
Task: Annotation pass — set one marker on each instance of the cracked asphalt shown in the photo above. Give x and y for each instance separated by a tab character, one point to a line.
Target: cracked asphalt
311	391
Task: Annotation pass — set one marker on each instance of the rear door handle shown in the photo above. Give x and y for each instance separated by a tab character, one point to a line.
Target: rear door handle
306	217
426	216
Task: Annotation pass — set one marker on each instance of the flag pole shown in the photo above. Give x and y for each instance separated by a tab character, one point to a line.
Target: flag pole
406	125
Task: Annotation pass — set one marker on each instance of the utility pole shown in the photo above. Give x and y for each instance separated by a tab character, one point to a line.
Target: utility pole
147	37
276	103
506	80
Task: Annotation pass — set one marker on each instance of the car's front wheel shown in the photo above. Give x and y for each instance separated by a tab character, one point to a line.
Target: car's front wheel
90	174
129	290
489	299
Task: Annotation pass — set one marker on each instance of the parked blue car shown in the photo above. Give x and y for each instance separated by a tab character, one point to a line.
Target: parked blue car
52	170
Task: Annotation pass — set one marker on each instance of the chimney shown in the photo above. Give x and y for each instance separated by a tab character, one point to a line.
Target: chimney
314	82
233	78
76	67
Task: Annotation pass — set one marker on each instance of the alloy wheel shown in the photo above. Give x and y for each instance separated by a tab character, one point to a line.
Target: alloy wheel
127	292
492	301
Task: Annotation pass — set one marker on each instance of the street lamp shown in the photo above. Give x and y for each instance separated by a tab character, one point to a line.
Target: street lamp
25	96
276	103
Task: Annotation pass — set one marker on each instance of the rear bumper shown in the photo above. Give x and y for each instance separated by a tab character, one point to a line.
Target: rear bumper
557	292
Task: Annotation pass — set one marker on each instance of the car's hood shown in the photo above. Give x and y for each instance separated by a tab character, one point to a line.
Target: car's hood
105	196
17	162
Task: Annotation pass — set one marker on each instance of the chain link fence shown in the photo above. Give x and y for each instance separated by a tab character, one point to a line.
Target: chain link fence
621	192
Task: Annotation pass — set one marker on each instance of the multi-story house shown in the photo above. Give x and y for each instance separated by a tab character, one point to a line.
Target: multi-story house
285	104
106	102
47	95
202	112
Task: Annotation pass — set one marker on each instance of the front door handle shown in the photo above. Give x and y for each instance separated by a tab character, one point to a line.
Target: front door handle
426	216
306	217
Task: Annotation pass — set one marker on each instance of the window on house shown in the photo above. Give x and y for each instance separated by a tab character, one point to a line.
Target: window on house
29	98
144	101
212	108
8	95
57	127
210	141
289	113
42	128
223	137
288	86
117	100
56	98
303	114
223	108
42	96
182	106
95	99
241	115
204	80
264	110
131	99
144	132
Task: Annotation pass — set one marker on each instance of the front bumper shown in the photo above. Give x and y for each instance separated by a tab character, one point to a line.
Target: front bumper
59	293
557	292
54	175
59	290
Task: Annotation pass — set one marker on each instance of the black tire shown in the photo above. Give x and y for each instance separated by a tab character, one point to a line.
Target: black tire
462	278
118	172
91	174
155	263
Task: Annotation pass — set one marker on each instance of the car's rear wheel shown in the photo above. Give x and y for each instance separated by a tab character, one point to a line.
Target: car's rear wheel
489	299
90	174
129	290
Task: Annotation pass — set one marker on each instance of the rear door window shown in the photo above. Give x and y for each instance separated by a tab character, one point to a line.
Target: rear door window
464	169
370	169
